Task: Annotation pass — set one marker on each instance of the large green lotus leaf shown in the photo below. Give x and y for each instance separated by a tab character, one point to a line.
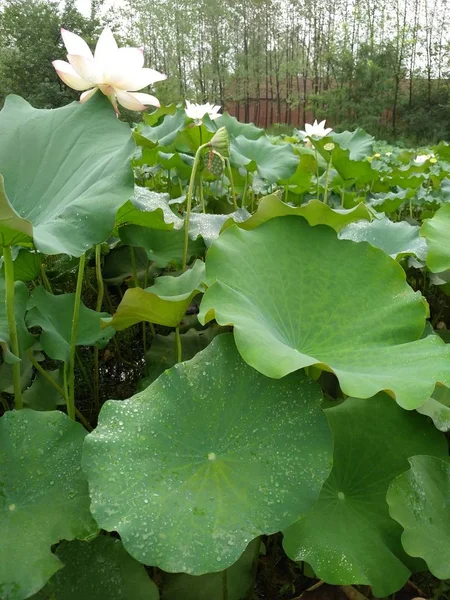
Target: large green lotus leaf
164	303
270	161
420	501
98	570
358	143
437	233
239	579
118	265
27	265
348	537
389	202
396	239
209	226
235	127
163	351
148	209
43	497
54	315
353	171
300	181
179	162
26	340
438	408
315	212
208	457
13	228
163	134
299	296
163	247
78	171
42	395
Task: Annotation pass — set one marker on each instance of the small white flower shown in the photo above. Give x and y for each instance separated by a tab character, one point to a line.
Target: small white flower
388	153
198	111
317	130
116	72
422	158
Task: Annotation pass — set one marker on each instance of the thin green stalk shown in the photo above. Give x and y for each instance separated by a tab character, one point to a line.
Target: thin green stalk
73	339
45	279
98	308
286	193
9	284
230	177
189	202
327	179
178	344
317	173
4	403
254	568
152	329
244	193
224	585
410	208
202	197
47	375
134	267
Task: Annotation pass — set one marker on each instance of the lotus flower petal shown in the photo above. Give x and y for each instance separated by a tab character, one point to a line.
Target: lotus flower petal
70	77
88	94
106	48
75	44
138	80
135	100
86	68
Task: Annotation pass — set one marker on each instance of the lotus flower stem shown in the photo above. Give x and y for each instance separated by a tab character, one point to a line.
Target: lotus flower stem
73	339
230	177
189	201
9	284
327	179
178	344
134	267
244	193
224	585
202	196
317	173
101	290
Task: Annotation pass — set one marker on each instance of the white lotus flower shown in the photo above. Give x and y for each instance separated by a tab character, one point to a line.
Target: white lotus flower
422	158
116	72
317	130
198	111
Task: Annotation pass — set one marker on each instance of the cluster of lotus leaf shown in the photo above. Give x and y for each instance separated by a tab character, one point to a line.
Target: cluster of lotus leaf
244	437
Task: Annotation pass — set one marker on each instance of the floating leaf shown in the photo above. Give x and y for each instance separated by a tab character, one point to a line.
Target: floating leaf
77	173
163	351
163	247
315	212
43	497
270	161
54	315
42	395
396	239
208	457
26	340
437	233
438	408
209	226
164	303
148	209
239	579
98	569
298	296
420	501
348	537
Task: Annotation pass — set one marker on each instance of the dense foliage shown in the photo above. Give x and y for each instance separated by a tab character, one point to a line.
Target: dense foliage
379	65
270	318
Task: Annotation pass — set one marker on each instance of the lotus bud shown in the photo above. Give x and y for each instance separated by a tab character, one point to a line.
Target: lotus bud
221	142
